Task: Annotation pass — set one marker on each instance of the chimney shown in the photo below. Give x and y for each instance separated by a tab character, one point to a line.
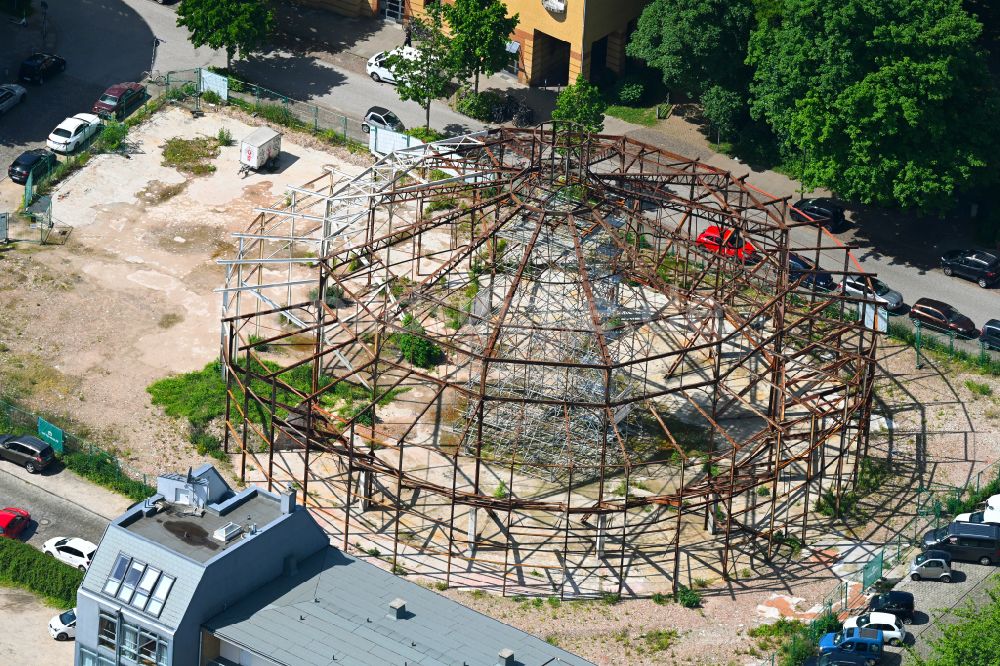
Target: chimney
397	609
506	657
288	499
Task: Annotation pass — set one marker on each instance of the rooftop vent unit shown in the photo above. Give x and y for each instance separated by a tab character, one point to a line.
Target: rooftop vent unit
227	532
506	657
397	609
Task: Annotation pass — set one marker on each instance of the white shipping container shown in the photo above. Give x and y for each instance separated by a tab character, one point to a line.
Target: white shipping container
260	147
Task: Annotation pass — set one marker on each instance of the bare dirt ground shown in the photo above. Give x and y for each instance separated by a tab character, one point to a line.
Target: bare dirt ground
128	299
28	641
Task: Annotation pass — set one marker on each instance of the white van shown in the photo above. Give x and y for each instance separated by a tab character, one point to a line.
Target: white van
376	66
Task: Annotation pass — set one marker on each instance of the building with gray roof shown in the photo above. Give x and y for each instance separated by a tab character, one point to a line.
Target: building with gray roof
198	574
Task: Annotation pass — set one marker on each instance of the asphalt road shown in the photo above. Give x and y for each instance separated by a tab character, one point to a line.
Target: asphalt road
51	515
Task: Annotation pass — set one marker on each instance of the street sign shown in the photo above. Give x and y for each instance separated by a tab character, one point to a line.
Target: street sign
51	434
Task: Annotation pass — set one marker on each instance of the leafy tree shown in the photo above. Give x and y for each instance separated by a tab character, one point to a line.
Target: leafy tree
888	100
479	31
234	25
581	103
414	347
723	109
696	44
427	75
972	641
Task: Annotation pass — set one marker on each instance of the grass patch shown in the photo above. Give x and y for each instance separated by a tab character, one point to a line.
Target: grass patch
103	469
170	320
637	115
426	134
978	389
27	567
191	156
62	171
661	639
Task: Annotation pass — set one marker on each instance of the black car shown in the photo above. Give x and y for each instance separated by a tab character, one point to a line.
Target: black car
981	266
41	66
30	452
990	335
800	267
842	658
822	211
899	604
36	161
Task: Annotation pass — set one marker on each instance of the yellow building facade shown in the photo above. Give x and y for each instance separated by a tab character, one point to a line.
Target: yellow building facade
555	40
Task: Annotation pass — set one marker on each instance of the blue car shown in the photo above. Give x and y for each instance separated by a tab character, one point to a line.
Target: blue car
864	642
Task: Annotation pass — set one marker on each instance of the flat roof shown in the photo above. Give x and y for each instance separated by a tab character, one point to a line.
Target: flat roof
180	529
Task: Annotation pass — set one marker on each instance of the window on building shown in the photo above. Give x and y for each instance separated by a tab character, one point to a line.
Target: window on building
152	650
132	576
145	587
107	631
130	642
159	596
117	574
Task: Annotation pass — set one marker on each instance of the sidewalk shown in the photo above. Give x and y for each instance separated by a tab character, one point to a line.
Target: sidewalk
73	488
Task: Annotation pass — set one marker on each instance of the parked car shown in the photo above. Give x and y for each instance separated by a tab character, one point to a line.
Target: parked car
381	118
728	243
932	565
73	132
118	100
822	211
940	315
71	550
891	626
800	267
862	641
376	66
37	162
838	658
63	626
990	334
970	542
980	266
896	603
31	452
984	516
872	289
13	521
11	95
40	66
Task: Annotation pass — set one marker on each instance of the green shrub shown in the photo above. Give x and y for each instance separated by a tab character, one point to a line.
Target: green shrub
501	491
205	443
27	567
796	651
415	348
102	468
660	599
631	92
211	97
824	624
687	597
224	137
978	388
426	134
255	341
478	106
62	171
610	598
276	113
112	137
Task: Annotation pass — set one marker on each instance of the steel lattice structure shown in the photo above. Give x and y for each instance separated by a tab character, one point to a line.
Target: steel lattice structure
611	399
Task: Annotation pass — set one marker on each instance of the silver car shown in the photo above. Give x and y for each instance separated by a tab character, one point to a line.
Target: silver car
11	95
858	286
932	565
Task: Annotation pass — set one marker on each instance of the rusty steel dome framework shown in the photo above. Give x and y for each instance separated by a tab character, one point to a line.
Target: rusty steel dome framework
505	360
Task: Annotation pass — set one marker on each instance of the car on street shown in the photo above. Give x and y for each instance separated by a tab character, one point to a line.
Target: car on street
969	542
119	100
63	626
11	95
899	604
73	132
26	450
378	68
980	266
891	626
941	316
381	118
932	565
862	641
73	551
40	66
728	243
13	521
800	267
990	334
869	288
822	211
36	161
984	516
838	658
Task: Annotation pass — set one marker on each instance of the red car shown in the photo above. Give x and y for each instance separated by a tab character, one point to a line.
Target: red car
119	100
727	243
13	521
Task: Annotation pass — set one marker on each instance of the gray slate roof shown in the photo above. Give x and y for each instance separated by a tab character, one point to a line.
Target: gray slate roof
335	610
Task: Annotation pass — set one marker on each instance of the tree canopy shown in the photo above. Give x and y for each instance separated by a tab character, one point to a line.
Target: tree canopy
238	26
696	44
581	103
972	641
426	76
888	100
479	31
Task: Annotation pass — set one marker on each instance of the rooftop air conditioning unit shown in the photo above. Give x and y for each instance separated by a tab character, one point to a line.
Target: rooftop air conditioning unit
555	6
227	532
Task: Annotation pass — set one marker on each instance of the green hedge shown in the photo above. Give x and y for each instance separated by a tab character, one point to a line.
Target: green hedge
102	468
27	567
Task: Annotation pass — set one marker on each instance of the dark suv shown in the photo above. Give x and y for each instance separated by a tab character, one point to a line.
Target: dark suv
899	604
971	542
978	265
31	452
822	211
36	161
990	335
942	316
41	66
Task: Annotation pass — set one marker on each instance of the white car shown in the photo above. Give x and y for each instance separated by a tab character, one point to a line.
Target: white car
63	626
986	516
73	132
74	552
11	95
376	66
857	285
892	628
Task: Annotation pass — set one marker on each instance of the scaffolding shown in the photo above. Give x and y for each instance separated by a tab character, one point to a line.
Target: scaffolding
611	397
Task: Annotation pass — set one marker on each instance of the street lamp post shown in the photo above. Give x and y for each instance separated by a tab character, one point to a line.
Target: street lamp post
152	61
45	20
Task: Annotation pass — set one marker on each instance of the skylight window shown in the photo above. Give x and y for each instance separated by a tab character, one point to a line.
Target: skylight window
132	576
145	587
160	595
117	574
139	585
